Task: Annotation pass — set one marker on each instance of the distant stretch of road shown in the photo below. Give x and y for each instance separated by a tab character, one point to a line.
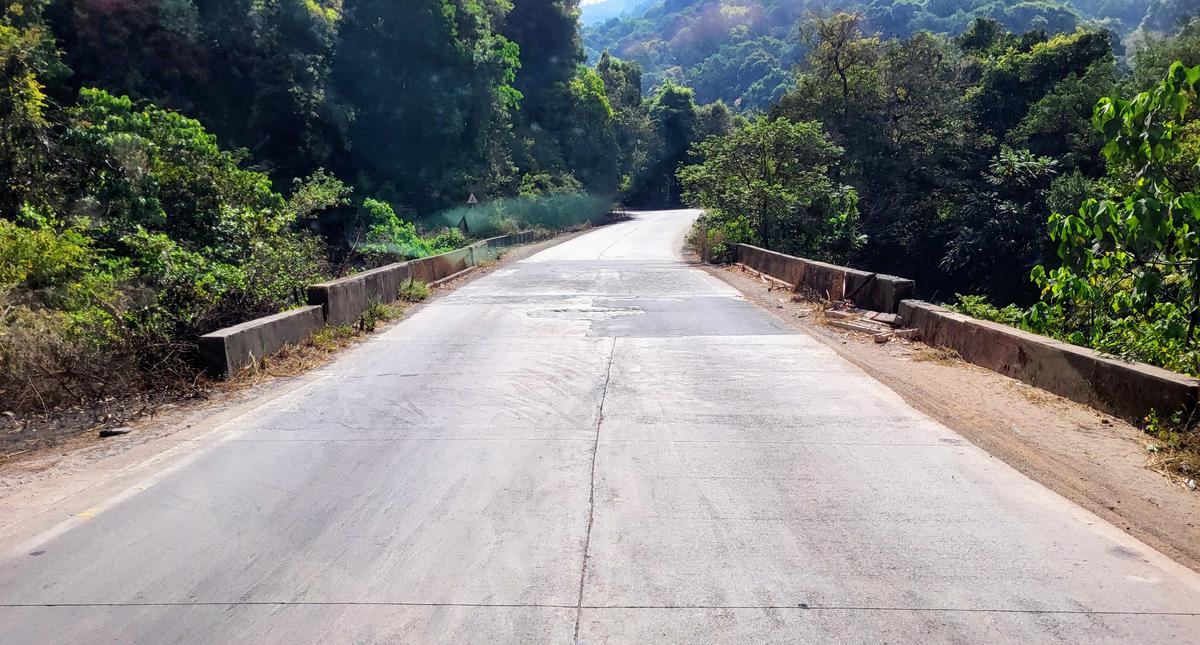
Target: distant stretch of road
599	443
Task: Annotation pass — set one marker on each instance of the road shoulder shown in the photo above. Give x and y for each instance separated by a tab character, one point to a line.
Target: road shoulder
40	487
1092	459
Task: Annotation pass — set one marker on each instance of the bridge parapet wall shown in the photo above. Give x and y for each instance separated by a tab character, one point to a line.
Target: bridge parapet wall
873	291
339	302
1121	388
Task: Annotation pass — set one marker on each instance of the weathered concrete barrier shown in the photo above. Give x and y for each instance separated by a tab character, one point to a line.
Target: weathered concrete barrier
876	291
490	248
344	300
436	267
228	350
1123	389
339	302
867	290
777	265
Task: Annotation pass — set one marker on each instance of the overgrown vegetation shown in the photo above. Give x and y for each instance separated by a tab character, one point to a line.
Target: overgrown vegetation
956	153
1129	281
170	168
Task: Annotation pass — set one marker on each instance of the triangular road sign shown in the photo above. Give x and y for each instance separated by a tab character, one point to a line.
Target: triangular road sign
472	200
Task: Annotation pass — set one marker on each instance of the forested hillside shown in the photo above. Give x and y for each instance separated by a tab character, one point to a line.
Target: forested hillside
1015	168
742	51
169	167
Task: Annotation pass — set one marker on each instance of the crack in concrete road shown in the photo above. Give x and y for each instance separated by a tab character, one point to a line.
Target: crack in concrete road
587	540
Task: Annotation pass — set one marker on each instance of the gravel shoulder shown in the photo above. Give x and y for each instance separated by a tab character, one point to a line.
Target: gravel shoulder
1095	460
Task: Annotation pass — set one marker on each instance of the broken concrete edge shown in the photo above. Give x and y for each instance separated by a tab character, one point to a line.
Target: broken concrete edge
867	290
339	302
1121	388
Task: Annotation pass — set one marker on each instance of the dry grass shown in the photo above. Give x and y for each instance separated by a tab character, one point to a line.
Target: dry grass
931	354
1181	466
1174	449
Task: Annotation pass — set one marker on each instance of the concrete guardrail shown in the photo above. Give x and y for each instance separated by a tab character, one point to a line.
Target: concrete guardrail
1123	389
338	302
228	350
872	291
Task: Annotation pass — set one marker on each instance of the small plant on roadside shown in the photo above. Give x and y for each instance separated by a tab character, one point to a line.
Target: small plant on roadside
1177	450
1169	430
376	311
332	337
414	290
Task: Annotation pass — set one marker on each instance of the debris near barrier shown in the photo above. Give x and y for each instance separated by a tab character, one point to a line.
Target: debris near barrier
880	326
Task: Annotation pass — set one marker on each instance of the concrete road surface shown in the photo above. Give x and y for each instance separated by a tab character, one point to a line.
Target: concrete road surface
597	444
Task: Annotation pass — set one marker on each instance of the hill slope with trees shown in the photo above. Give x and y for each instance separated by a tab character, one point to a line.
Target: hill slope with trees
742	51
1013	168
169	167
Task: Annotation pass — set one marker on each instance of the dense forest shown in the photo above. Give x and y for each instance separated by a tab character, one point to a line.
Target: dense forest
742	51
1037	172
170	167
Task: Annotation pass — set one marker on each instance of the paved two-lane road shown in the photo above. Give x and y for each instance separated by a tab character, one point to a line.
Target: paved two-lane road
597	443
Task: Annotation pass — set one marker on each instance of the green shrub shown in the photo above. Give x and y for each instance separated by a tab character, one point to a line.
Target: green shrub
448	240
979	307
414	290
155	237
387	233
375	312
715	235
1129	283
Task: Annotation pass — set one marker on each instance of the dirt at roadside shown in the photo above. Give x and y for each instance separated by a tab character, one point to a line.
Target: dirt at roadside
1092	459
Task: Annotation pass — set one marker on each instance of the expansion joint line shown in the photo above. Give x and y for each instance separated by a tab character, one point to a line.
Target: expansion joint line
587	540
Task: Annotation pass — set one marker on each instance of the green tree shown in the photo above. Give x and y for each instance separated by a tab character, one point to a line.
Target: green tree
896	108
1130	276
28	59
775	178
673	114
430	82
